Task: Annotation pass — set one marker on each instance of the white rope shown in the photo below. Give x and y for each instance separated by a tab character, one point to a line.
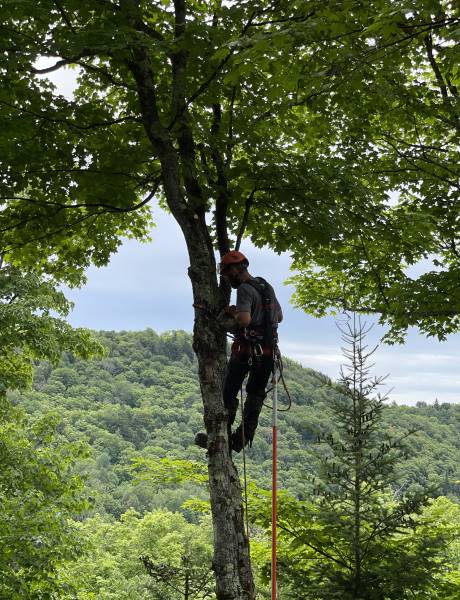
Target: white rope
244	469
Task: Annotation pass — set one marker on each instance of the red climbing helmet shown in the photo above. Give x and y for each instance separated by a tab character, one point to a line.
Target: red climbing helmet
232	258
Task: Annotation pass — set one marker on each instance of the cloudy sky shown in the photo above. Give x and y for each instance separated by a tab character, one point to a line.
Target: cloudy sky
147	286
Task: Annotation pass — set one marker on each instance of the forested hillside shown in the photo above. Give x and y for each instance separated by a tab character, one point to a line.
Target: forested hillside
142	400
93	511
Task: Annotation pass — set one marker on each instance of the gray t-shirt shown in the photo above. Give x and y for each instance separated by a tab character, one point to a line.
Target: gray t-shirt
249	300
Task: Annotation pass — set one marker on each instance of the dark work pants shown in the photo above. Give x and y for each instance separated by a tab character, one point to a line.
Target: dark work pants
259	374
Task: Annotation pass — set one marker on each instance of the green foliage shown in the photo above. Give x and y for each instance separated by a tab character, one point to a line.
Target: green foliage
29	331
205	109
112	568
420	561
167	471
362	538
141	404
390	244
143	459
40	495
365	107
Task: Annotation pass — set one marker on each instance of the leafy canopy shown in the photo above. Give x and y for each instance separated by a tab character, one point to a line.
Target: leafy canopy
39	496
305	152
33	327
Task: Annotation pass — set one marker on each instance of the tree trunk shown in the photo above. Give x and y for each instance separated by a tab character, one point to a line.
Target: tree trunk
358	458
231	548
182	189
187	585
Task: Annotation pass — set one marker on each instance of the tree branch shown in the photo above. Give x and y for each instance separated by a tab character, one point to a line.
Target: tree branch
205	84
67	60
150	32
107	75
448	312
140	66
140	180
428	41
452	88
365	59
205	166
180	110
109	4
221	184
179	62
316	548
244	221
55	67
107	207
64	16
49	234
419	168
70	124
228	158
376	274
286	20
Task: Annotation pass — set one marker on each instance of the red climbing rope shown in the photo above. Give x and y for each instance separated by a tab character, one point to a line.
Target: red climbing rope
277	377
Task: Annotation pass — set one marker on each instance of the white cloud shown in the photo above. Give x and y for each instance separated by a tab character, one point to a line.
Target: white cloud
413	376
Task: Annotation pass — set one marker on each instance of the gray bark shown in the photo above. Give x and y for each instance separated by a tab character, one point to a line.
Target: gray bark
183	194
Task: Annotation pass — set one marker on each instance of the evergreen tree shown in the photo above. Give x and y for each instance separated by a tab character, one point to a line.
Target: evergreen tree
351	541
356	470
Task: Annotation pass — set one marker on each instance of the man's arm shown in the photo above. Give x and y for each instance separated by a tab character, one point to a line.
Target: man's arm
242	317
243	305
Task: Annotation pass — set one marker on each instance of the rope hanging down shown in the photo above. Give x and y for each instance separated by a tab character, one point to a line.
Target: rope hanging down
278	366
245	475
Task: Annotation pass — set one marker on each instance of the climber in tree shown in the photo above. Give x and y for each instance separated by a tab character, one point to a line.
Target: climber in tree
254	323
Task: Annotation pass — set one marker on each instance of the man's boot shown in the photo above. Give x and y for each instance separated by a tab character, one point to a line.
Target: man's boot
201	439
237	441
252	408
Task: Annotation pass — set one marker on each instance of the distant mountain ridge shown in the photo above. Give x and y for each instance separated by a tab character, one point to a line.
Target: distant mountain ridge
143	400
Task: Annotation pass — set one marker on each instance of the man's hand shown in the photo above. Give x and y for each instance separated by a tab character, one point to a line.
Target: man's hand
227	320
230	311
242	319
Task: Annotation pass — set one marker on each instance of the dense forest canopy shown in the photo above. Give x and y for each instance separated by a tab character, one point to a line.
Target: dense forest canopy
142	400
364	111
136	410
